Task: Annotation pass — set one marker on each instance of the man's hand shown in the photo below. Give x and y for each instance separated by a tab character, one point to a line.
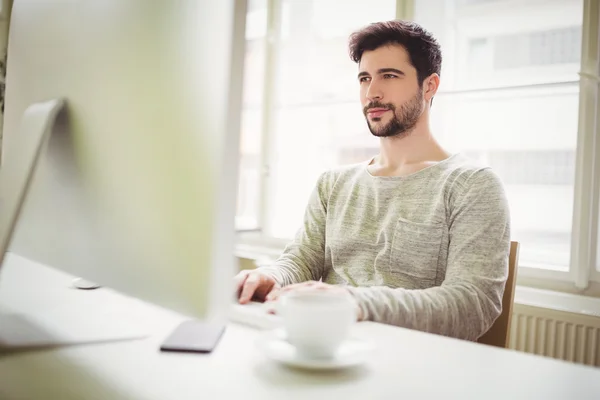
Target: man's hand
254	284
312	286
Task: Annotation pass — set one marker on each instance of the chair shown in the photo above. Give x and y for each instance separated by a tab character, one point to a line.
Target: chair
499	334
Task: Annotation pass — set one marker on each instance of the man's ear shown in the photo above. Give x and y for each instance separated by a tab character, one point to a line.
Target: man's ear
430	87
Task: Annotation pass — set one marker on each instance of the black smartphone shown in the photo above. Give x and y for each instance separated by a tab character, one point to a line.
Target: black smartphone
194	337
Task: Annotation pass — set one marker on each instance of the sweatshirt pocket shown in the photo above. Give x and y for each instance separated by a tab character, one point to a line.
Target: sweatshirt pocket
415	253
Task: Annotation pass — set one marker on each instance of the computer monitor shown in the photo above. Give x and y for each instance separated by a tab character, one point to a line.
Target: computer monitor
135	184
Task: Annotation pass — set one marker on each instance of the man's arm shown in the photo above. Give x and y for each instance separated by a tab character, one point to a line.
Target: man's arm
303	259
470	298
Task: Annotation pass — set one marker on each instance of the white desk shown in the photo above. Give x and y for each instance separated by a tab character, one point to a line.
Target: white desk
406	364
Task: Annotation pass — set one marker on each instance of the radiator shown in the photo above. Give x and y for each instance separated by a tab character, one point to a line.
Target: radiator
557	334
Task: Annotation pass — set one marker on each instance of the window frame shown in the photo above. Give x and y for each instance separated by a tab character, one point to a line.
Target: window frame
582	275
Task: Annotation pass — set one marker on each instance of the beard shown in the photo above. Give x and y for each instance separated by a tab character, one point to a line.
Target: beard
403	119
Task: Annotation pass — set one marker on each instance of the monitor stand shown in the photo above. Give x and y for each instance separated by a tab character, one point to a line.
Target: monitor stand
73	323
69	326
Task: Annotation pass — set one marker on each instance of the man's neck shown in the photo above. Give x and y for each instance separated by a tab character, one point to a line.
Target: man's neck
407	155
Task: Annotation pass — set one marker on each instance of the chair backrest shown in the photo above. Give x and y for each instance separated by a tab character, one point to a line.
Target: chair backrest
499	334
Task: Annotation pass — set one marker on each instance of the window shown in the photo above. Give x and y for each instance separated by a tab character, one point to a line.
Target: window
252	112
479	1
511	97
541	48
313	103
317	107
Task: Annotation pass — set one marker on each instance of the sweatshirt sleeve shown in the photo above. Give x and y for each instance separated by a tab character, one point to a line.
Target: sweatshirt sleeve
469	300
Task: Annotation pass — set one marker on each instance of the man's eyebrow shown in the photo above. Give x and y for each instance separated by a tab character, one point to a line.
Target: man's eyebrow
382	71
386	70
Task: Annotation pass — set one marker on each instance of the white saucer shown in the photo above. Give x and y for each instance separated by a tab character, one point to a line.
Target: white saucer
351	353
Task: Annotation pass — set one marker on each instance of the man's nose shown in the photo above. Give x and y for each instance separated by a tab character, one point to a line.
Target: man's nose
374	92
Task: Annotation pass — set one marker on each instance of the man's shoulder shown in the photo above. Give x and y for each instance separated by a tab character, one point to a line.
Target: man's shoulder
344	172
466	176
344	176
465	171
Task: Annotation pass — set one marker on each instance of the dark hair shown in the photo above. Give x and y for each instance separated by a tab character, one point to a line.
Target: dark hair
423	49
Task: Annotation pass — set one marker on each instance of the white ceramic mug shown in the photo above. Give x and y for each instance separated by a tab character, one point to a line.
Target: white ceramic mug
317	322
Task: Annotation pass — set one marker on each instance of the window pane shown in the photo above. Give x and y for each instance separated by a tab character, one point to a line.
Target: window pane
318	114
250	146
509	97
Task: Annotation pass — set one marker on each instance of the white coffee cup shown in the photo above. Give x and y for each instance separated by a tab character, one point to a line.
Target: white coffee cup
317	322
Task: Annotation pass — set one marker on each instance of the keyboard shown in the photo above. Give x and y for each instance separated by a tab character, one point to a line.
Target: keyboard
254	314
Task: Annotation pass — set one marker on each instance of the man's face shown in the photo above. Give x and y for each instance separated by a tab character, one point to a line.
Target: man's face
390	94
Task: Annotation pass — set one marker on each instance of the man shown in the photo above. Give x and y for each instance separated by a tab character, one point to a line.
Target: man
419	237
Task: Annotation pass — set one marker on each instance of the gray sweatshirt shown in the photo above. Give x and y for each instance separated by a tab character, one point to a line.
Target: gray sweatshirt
427	251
